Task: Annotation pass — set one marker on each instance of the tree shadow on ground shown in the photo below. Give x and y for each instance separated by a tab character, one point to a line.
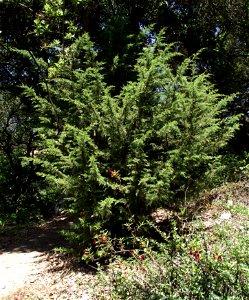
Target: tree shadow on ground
41	238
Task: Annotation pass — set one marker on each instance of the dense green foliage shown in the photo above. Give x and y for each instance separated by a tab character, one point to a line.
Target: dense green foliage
124	123
119	157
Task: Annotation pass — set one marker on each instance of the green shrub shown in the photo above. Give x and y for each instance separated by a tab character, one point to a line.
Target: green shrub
189	266
120	157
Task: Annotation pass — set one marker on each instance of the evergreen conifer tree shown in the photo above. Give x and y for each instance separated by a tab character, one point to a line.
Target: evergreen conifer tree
119	157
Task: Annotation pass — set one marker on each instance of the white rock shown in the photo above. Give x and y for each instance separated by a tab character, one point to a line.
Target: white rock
226	215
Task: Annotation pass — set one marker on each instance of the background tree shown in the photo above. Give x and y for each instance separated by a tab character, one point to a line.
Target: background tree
20	187
17	190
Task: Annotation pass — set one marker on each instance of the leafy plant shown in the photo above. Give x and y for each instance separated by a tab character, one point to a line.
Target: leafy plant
121	156
190	266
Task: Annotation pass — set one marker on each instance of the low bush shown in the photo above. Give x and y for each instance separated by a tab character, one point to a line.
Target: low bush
195	265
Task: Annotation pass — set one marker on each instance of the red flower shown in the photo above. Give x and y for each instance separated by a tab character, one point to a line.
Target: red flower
102	238
85	251
94	241
82	214
219	258
113	174
197	257
141	257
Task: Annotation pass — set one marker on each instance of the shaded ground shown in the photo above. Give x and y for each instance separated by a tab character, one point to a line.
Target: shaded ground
41	238
29	269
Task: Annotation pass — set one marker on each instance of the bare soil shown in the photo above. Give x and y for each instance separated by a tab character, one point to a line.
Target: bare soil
30	269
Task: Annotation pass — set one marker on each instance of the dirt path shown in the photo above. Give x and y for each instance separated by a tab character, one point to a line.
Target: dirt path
29	269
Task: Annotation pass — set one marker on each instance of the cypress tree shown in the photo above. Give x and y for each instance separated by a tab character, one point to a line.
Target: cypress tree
119	157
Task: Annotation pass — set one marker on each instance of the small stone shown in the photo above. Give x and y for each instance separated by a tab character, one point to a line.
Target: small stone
226	215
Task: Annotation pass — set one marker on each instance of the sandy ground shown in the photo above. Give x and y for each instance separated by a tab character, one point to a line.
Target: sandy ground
16	269
29	269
